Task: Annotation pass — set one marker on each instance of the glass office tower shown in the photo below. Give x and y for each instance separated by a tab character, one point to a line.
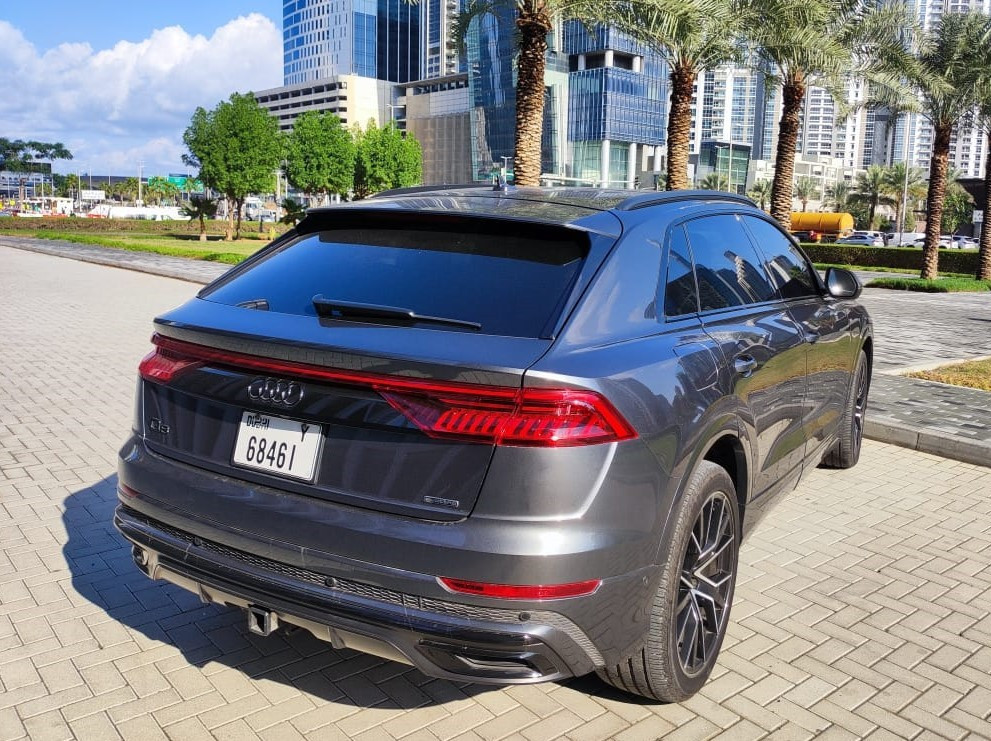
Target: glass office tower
369	38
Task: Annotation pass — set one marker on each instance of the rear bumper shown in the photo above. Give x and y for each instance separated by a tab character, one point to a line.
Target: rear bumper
443	639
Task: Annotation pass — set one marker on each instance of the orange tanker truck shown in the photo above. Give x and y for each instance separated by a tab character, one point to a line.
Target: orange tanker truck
809	226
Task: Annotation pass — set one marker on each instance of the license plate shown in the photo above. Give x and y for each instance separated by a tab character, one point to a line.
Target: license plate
285	447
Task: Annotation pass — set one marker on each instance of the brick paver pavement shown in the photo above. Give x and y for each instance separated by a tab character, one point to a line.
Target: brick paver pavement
863	606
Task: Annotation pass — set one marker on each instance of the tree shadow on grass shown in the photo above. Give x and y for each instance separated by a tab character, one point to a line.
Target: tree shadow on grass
103	573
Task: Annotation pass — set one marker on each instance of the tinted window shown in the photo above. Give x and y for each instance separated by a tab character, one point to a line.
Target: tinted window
787	266
510	284
727	266
680	297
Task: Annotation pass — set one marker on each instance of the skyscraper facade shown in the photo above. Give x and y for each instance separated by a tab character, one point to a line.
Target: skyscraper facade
369	38
912	138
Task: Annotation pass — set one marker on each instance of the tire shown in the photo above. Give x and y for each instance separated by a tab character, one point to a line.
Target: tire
846	452
669	666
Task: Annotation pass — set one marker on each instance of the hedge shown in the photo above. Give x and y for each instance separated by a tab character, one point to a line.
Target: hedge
905	258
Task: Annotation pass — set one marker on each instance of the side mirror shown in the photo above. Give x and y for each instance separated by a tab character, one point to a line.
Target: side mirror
842	283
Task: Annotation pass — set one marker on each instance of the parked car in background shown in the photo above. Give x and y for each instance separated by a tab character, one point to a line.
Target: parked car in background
904	239
946	241
869	239
505	437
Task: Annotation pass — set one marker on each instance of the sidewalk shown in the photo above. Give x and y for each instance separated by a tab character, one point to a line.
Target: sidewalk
911	329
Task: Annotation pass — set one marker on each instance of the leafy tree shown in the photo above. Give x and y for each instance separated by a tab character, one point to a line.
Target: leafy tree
295	211
202	208
692	36
873	188
715	181
822	43
385	159
958	207
952	63
761	193
236	148
17	155
320	155
805	190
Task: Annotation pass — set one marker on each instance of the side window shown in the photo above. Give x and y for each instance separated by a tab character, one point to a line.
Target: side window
727	267
788	268
680	296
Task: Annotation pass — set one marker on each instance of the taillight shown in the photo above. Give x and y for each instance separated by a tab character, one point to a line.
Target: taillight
163	365
532	417
497	415
520	591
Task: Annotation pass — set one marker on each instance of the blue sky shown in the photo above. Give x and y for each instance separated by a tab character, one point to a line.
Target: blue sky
117	82
103	23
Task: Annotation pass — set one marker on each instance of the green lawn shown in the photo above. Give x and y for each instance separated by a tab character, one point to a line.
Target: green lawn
940	285
179	245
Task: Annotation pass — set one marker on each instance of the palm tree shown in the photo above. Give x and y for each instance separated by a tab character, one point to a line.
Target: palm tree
984	255
952	62
838	195
873	190
201	208
715	181
805	190
534	21
822	43
692	36
900	179
761	193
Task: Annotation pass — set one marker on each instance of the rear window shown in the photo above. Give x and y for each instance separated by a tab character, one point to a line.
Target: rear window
511	284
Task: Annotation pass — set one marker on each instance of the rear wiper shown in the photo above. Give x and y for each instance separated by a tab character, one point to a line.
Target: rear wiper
333	309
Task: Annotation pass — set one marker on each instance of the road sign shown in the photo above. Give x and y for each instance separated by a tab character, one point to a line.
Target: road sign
978	215
92	195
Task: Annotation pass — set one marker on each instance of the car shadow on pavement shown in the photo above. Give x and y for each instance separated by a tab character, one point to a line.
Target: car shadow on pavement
103	572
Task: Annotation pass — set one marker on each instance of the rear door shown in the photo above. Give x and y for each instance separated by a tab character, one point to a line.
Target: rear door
338	347
762	346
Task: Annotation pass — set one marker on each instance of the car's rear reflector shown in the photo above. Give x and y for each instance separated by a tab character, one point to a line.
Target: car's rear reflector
520	591
497	415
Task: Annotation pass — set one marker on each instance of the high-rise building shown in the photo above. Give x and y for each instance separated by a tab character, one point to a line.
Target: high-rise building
440	54
912	138
369	38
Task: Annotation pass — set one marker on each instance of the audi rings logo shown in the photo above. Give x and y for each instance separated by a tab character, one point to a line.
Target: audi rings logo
273	391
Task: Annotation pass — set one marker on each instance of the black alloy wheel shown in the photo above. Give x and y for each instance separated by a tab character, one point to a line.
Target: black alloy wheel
706	585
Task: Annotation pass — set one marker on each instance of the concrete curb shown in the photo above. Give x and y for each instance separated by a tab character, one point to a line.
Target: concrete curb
895	432
168	267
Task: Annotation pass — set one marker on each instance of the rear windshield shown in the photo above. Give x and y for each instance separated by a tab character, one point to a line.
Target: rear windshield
510	284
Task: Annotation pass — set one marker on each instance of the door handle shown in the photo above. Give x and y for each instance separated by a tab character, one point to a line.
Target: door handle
744	365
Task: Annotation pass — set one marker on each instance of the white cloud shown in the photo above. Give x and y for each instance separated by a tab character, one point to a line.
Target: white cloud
115	106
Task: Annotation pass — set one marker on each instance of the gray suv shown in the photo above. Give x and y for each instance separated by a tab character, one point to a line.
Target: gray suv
504	437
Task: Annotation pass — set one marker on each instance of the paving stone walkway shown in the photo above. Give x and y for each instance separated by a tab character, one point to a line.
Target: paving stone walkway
863	607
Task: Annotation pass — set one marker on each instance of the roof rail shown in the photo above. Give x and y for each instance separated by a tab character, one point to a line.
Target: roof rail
654	198
430	188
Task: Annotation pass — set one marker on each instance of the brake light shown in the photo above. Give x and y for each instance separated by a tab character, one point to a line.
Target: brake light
496	415
520	591
540	417
162	365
